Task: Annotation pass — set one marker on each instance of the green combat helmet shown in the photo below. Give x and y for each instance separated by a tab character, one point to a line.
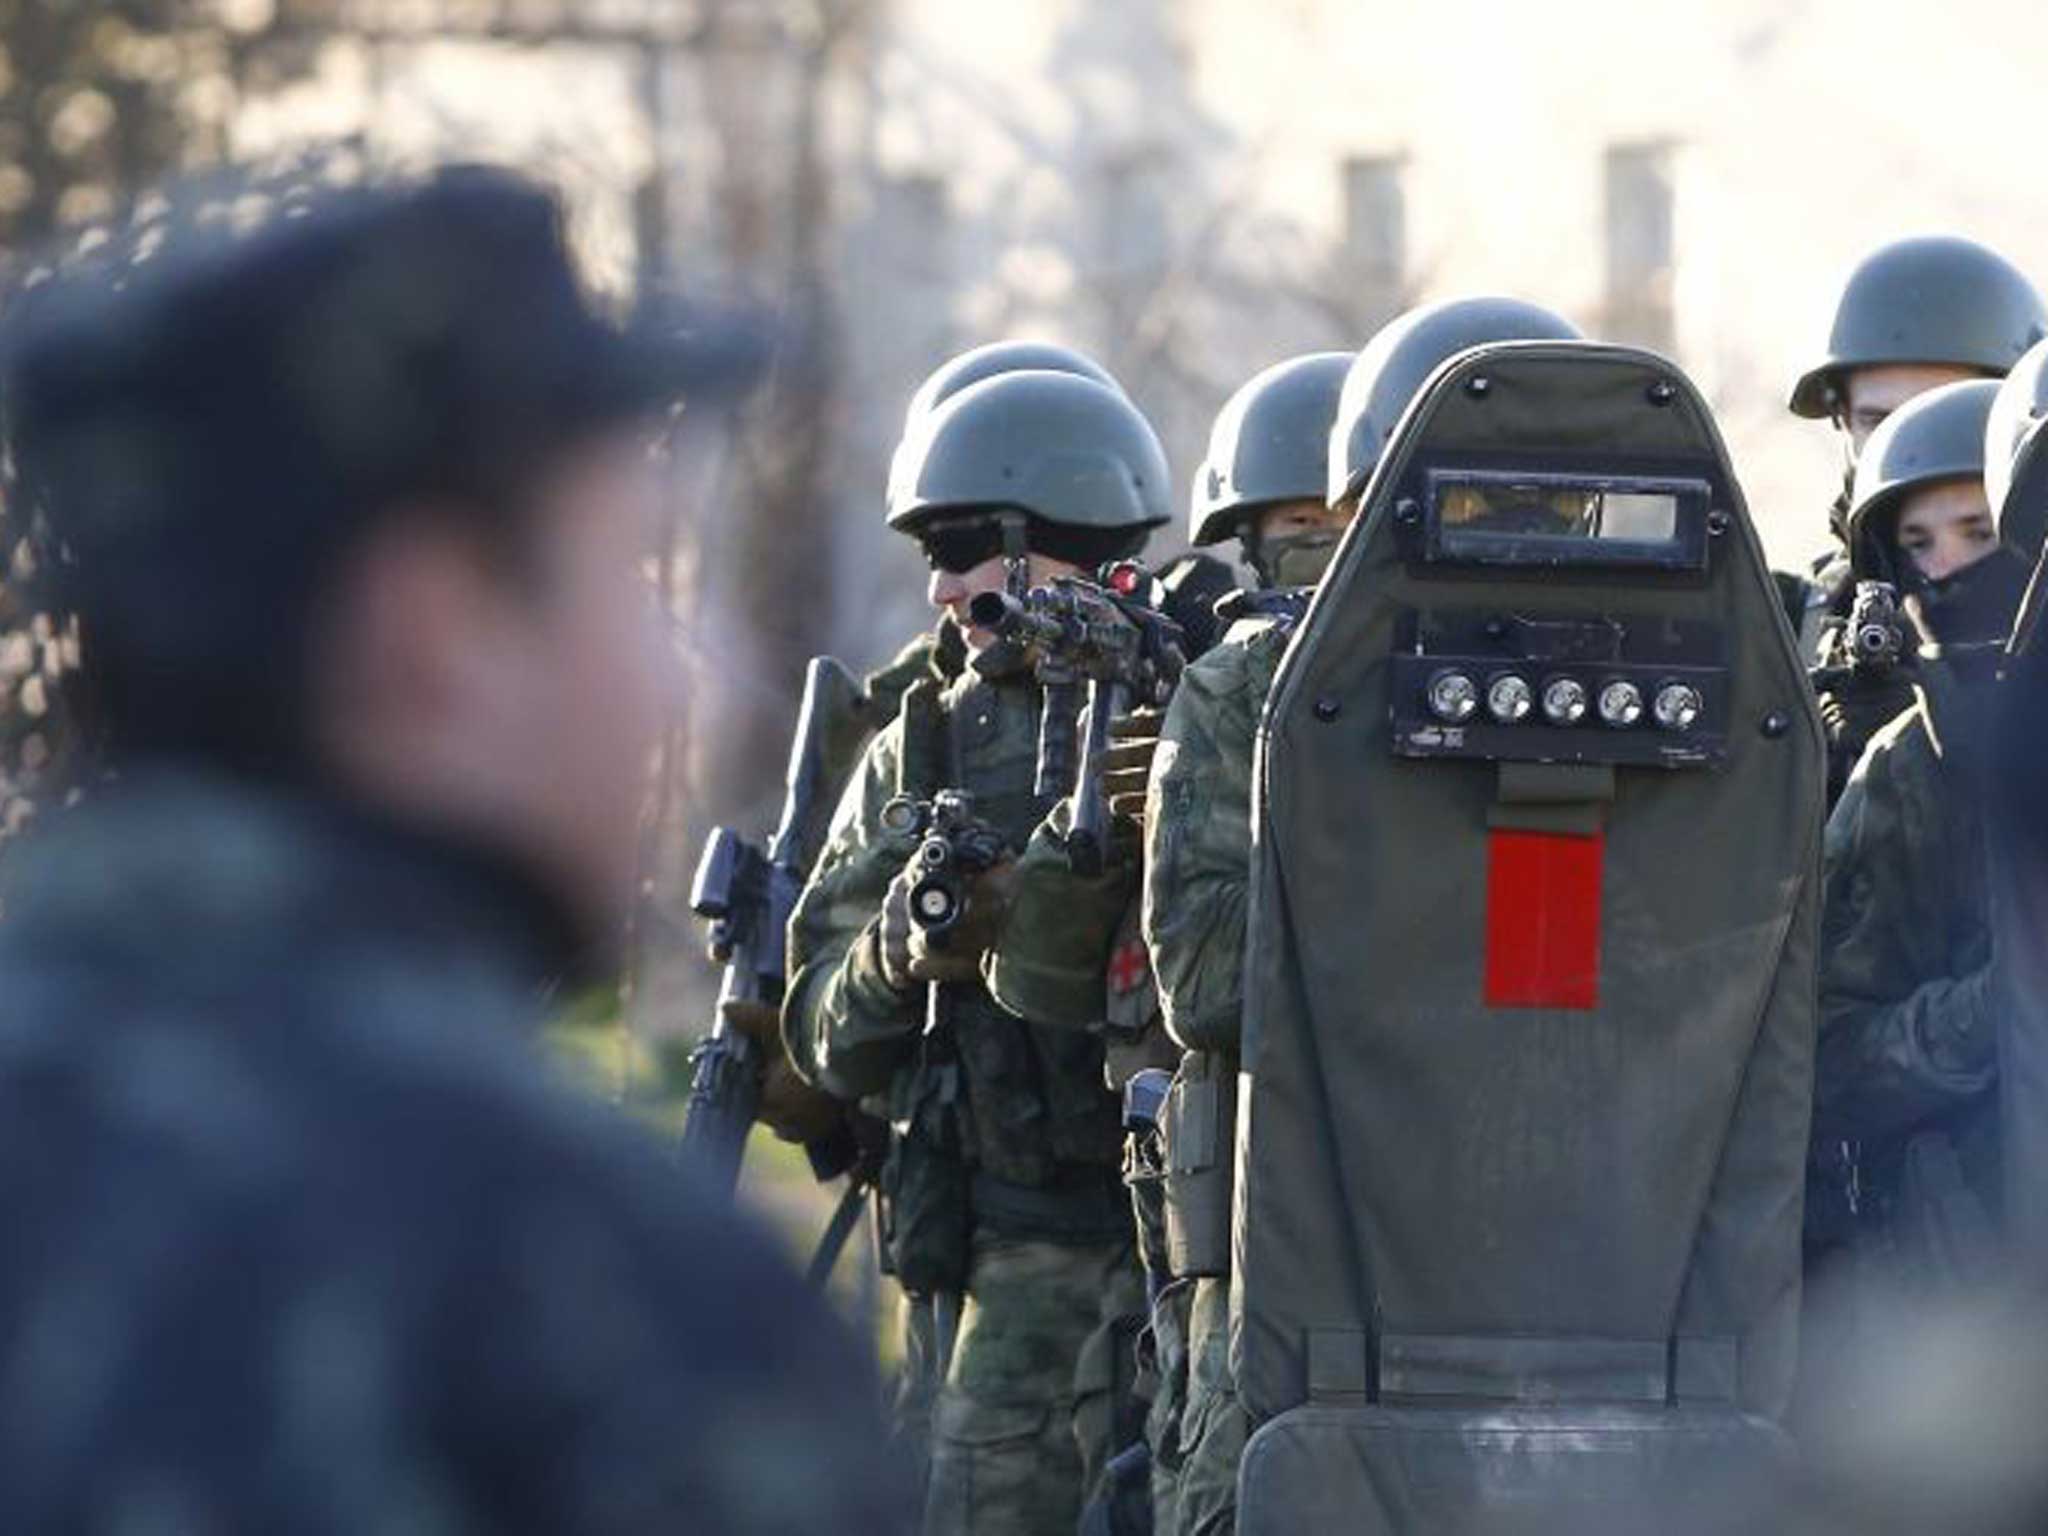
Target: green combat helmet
1268	444
985	362
2016	455
1933	437
992	358
1070	454
1932	299
1528	1047
1400	358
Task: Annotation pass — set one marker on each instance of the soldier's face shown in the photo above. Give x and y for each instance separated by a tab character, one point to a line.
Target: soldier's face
1871	394
952	591
1946	528
1309	515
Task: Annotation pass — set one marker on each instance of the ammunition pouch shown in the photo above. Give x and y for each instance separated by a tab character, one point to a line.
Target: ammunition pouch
926	1197
1200	1131
926	1182
1145	1178
1040	1106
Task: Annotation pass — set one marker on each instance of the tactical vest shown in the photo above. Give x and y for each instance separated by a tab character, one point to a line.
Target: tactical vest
1035	1122
1530	978
1200	1125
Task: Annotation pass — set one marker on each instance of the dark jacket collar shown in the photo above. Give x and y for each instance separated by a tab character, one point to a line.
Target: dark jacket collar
165	858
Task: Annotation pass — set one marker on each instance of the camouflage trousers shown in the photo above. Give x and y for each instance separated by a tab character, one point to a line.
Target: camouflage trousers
1169	1366
917	1385
1008	1456
1212	1428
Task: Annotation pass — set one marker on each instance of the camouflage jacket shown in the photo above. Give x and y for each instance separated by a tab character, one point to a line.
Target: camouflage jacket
1908	997
938	654
304	1236
1034	1099
1198	835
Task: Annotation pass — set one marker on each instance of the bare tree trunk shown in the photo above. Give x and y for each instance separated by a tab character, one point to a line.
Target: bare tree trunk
767	606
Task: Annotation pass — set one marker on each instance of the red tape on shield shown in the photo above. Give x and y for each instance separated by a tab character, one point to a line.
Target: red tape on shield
1543	920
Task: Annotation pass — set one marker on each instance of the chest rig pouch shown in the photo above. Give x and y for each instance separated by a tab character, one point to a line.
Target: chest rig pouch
1031	1120
926	1213
1530	977
1201	1111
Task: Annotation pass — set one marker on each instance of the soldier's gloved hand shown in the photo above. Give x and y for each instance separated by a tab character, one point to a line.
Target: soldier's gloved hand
790	1107
1856	709
892	932
1127	763
955	954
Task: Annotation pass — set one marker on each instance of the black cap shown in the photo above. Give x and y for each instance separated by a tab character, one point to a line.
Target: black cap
202	419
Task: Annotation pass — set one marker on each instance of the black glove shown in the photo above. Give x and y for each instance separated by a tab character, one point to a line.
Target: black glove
790	1107
1853	710
956	956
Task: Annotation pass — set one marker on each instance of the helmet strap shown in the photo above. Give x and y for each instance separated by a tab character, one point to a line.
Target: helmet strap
1838	511
1254	551
1016	553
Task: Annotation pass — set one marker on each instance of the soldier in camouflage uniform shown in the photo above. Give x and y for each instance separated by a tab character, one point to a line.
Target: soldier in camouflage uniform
788	1105
1007	1209
1198	858
1095	975
1914	315
304	1235
1907	1076
1263	474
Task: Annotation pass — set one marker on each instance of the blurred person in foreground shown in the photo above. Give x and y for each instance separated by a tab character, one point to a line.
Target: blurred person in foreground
302	1236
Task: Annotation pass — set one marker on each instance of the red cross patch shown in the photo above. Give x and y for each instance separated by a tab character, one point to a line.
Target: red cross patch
1128	968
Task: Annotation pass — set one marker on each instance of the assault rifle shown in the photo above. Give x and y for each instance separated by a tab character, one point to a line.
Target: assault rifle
1875	634
745	894
954	845
1111	634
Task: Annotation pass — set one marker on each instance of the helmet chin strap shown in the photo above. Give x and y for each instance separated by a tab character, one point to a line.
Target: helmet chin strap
1254	553
1838	513
1016	553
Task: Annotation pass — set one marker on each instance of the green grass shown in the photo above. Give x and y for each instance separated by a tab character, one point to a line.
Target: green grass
651	1081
